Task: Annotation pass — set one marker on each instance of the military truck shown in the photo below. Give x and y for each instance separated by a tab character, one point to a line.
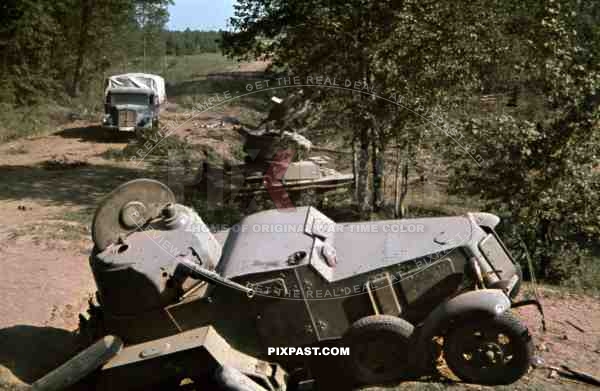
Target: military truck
133	101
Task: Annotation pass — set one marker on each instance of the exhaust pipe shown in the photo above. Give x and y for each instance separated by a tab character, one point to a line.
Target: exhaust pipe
230	379
80	366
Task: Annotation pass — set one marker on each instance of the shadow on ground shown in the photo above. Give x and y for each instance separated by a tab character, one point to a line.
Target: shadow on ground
30	352
83	186
96	134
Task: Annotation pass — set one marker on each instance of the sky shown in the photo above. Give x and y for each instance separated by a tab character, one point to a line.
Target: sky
200	14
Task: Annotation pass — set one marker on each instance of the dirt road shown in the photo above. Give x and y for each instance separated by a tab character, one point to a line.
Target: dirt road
49	189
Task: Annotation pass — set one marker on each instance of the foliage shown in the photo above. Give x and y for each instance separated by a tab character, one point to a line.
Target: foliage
161	149
31	120
53	47
542	176
417	55
534	163
188	42
550	205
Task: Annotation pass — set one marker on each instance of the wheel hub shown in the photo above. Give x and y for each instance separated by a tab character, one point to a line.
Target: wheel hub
491	354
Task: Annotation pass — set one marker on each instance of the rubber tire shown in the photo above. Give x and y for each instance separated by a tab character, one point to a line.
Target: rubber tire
398	329
509	325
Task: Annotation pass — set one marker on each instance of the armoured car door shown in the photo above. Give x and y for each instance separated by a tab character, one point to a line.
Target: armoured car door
334	305
284	317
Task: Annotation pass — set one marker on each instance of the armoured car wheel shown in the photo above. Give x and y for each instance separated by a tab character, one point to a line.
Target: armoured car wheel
379	348
490	351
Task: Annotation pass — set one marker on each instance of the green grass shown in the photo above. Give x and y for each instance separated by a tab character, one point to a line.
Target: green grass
191	93
189	87
196	66
117	154
50	113
17	122
585	277
177	68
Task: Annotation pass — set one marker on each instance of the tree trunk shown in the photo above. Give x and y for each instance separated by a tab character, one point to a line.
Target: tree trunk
403	191
378	162
86	13
397	184
545	261
355	169
400	185
364	205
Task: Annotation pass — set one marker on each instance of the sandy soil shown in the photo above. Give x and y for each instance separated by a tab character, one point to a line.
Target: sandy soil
45	276
49	189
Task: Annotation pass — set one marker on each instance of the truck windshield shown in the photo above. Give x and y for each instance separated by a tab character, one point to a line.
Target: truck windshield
130	99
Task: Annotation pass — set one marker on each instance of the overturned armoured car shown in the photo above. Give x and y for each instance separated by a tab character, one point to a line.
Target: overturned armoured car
212	307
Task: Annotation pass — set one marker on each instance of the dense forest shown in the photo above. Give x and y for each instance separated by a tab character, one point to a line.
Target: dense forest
187	42
56	54
53	47
50	48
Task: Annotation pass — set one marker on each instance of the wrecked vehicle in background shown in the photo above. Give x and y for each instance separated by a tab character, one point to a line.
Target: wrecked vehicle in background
178	302
278	166
271	171
133	101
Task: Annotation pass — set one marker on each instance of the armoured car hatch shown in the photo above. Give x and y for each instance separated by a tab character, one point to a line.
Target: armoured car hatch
266	241
319	225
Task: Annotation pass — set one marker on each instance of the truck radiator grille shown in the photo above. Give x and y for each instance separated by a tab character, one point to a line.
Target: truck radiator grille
127	118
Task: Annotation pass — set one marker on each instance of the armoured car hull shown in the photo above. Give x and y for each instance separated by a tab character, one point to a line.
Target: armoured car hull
174	293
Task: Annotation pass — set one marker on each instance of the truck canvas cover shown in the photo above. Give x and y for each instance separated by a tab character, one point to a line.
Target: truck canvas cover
138	80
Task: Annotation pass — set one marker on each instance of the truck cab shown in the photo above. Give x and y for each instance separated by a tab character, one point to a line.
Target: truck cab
130	109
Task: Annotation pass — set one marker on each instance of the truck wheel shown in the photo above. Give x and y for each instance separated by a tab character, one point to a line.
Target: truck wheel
379	348
489	351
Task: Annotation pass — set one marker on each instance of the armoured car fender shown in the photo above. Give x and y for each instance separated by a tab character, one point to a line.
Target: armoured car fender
483	302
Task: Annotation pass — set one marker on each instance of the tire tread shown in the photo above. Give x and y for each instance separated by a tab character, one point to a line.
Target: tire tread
513	326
